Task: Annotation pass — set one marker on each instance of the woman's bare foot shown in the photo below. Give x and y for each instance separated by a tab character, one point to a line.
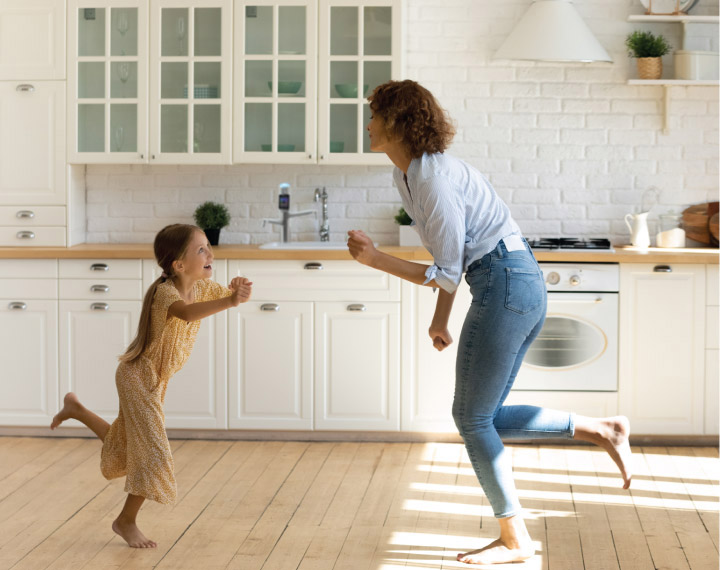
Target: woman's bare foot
71	406
131	534
613	435
497	553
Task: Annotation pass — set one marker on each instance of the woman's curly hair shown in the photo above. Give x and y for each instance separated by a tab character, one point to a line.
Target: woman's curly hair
412	114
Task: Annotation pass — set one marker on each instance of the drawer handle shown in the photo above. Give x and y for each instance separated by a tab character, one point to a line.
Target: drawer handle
662	269
314	266
25	214
17	306
99	306
269	307
356	307
26	87
25	235
100	289
99	267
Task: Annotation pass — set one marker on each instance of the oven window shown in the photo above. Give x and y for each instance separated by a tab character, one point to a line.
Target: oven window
565	342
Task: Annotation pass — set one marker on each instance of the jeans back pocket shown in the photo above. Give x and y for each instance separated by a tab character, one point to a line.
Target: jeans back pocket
525	290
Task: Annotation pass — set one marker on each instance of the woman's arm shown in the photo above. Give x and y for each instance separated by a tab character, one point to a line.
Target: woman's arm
241	289
438	330
362	249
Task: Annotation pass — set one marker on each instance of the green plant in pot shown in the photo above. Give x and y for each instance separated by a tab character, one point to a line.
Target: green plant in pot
212	217
407	236
648	49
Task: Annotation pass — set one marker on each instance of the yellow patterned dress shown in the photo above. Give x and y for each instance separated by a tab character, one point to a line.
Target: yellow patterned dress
136	444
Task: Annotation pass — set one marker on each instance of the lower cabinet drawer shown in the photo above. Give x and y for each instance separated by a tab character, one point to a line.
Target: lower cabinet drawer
123	289
32	236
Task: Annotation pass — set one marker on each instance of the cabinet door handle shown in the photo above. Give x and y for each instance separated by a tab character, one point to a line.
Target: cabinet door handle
269	307
99	307
100	289
99	267
314	266
356	307
25	214
662	269
25	235
17	306
25	87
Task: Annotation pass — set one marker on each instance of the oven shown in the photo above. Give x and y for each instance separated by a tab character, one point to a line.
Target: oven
577	348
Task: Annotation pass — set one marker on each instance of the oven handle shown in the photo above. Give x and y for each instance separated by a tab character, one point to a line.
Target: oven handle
593	301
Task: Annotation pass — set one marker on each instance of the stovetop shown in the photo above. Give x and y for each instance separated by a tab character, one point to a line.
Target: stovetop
570	243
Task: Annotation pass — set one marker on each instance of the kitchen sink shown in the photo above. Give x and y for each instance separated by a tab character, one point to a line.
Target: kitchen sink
305	245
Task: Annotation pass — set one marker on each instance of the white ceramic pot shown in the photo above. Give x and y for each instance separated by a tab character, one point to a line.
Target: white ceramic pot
699	65
408	236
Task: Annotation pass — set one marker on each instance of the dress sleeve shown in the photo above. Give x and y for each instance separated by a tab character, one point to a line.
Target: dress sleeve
165	295
210	290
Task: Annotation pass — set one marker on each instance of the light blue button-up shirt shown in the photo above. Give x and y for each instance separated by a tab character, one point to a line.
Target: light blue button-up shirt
457	213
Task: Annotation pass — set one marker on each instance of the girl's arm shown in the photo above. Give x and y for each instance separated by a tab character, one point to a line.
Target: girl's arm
241	289
438	328
362	249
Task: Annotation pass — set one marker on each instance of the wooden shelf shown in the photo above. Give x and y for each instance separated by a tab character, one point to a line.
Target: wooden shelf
682	18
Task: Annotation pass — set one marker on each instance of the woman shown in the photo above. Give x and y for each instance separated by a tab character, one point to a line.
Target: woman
467	228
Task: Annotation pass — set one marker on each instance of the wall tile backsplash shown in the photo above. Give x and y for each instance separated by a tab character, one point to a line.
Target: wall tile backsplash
570	147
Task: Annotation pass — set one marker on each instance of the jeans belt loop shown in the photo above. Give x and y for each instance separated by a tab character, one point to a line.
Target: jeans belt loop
499	249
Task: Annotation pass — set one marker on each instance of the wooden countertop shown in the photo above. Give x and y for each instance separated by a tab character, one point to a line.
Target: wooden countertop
622	254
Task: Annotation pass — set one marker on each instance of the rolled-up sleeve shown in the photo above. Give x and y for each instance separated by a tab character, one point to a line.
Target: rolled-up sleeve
443	207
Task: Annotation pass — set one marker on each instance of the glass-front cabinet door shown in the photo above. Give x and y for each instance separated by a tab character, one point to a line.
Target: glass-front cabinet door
359	50
190	87
275	79
107	81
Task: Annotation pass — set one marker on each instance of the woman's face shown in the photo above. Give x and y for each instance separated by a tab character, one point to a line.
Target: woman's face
378	135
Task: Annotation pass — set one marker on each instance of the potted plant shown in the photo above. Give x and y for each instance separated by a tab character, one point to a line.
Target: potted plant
407	233
648	49
212	217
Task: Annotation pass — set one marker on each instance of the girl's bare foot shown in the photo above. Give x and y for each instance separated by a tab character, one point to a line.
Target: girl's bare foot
131	534
71	406
498	553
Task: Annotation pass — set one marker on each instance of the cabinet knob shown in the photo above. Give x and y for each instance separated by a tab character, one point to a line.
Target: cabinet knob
142	156
99	267
662	269
314	266
356	307
17	306
25	214
99	307
100	289
25	235
270	307
25	87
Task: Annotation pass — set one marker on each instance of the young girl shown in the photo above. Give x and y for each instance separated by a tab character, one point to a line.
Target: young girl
136	444
468	229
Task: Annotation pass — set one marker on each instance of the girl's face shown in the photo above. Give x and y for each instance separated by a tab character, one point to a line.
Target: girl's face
197	261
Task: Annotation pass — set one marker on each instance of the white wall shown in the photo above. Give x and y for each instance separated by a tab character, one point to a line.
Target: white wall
570	147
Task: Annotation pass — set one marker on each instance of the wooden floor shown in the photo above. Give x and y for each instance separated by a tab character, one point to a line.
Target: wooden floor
348	506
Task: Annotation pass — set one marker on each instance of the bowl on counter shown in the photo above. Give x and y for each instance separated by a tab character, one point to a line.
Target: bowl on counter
286	87
348	90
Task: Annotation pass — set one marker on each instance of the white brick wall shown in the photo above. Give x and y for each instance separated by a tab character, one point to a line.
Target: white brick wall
570	147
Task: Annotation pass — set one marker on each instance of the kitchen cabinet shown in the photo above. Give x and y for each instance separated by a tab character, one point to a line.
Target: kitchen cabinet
712	352
100	302
196	397
294	356
28	311
149	95
32	40
662	347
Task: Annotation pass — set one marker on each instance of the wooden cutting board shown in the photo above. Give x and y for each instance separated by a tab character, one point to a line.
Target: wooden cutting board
696	221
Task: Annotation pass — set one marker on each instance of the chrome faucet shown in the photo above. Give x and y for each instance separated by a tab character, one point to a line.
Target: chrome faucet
324	225
284	206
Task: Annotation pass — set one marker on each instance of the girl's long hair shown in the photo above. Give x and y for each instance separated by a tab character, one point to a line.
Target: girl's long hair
170	244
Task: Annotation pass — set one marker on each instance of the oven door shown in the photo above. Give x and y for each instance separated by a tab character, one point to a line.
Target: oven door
577	348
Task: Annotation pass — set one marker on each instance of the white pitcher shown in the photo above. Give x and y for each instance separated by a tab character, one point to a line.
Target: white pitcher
639	234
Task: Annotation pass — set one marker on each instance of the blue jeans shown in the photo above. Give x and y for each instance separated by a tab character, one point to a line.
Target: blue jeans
508	307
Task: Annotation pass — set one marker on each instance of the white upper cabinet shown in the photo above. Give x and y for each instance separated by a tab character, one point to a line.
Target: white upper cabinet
359	50
32	39
275	74
130	100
